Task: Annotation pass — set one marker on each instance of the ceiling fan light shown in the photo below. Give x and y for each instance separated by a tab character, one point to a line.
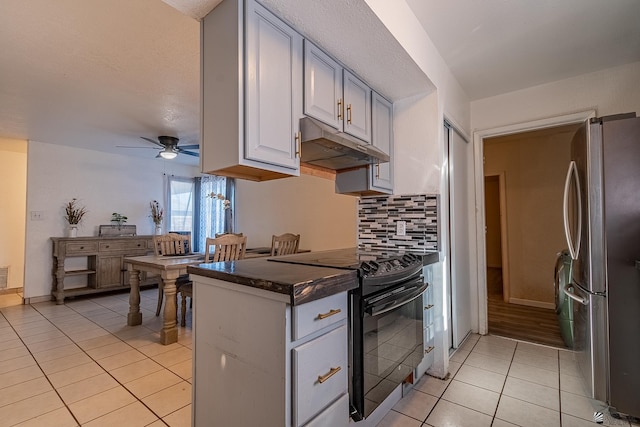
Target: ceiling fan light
168	154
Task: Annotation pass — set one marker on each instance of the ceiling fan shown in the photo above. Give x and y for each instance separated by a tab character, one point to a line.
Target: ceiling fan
169	147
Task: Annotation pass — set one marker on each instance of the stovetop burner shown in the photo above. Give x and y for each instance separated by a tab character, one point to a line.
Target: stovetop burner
369	264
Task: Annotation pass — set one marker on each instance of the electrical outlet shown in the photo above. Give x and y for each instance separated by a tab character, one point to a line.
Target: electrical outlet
37	215
401	228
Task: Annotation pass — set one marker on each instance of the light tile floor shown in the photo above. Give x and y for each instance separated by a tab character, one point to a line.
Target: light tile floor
79	364
501	382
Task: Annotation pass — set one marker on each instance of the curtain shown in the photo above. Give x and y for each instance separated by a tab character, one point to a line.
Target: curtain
211	216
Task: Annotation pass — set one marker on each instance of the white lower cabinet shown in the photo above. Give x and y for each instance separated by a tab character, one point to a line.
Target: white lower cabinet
333	416
429	327
319	374
258	361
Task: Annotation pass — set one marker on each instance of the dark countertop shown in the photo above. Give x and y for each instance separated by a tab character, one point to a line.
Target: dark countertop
302	283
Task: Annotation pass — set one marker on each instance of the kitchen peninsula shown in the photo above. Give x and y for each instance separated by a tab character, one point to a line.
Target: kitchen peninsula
271	337
279	334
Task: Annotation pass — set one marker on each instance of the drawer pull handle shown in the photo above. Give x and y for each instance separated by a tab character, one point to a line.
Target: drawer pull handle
81	247
429	349
428	307
332	372
107	246
329	314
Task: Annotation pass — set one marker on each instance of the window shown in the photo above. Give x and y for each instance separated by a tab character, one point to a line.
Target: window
180	204
191	208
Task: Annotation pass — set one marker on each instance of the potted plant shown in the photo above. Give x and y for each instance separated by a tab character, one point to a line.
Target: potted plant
73	215
118	219
156	215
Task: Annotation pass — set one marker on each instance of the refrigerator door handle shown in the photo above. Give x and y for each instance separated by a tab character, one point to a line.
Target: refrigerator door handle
581	300
572	175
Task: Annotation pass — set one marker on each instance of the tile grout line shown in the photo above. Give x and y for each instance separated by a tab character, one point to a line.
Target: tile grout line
41	370
513	356
35	308
105	370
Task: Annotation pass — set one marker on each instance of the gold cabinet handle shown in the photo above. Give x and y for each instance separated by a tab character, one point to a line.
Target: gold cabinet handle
329	314
429	349
340	109
298	139
332	372
349	114
378	170
428	307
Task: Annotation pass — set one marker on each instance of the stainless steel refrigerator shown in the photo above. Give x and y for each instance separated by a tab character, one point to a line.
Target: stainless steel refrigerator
602	226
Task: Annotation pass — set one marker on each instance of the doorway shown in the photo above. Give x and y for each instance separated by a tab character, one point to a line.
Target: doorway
524	236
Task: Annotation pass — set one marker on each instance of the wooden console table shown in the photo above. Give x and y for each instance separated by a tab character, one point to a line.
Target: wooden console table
105	269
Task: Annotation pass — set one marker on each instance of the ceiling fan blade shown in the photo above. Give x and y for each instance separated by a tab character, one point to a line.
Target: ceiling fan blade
190	147
188	153
128	146
152	141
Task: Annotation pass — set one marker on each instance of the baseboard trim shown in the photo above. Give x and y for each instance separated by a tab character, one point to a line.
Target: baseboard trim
9	291
33	300
532	303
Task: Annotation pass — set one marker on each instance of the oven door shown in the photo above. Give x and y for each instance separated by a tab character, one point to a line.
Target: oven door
389	346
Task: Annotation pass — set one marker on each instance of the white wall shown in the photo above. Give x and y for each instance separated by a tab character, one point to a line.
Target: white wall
304	205
13	194
419	139
104	183
611	91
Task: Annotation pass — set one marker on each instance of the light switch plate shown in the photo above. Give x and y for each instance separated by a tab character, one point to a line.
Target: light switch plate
401	228
37	215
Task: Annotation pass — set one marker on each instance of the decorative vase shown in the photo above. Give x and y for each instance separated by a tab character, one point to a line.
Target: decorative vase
72	231
158	229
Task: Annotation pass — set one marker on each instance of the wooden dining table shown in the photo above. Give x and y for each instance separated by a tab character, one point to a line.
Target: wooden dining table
169	268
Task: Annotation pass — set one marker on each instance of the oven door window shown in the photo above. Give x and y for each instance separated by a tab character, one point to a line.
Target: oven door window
392	344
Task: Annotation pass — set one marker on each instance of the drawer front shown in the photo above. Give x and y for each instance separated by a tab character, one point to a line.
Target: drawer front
81	247
123	246
336	415
429	335
322	359
428	314
315	315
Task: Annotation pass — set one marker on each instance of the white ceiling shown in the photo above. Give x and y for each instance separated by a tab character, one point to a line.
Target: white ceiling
498	46
102	73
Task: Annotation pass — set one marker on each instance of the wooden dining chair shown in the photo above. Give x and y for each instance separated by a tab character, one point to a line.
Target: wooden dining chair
167	245
284	244
224	234
226	247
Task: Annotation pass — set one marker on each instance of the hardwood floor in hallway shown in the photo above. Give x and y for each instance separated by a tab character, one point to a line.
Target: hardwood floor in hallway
533	324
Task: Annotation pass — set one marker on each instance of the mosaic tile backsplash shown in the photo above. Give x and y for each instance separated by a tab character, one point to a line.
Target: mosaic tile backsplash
378	217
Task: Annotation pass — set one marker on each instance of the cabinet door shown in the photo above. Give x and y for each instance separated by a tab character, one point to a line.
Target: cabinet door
273	82
382	138
110	271
322	86
357	107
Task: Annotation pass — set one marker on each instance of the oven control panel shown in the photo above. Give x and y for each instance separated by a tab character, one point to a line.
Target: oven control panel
389	267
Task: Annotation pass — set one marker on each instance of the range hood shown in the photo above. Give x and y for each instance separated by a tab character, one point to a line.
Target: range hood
324	146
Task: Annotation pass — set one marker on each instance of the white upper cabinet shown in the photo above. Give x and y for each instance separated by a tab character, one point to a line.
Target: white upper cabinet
322	86
357	107
273	81
251	93
334	95
382	138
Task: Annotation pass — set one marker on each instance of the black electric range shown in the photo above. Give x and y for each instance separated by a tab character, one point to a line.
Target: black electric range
385	320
